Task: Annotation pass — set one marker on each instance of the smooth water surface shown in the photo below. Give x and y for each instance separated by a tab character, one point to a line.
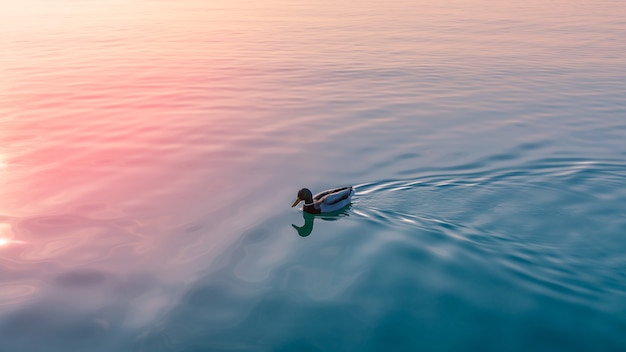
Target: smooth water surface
149	152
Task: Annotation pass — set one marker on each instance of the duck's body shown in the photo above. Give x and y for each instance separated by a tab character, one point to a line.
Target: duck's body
324	202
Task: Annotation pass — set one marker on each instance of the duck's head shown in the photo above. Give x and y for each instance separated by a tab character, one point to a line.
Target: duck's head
303	195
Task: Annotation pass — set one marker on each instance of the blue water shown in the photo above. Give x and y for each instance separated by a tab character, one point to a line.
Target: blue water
150	152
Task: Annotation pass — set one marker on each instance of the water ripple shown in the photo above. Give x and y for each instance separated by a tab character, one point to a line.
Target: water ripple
14	293
535	251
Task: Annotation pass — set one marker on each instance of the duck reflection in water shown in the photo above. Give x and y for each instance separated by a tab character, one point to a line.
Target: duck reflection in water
309	219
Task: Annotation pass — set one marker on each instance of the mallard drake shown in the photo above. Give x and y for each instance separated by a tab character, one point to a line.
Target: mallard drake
324	202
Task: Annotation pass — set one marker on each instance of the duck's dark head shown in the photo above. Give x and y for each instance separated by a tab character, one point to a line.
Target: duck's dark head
303	195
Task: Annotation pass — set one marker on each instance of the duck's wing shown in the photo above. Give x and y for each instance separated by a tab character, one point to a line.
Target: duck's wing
334	196
321	195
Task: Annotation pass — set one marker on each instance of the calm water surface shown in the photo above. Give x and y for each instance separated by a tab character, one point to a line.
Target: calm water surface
149	152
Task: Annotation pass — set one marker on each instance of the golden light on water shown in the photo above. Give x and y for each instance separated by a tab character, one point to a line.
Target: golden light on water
6	236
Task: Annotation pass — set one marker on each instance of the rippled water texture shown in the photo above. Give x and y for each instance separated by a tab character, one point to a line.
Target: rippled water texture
150	152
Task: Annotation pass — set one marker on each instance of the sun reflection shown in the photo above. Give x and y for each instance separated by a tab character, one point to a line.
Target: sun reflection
6	236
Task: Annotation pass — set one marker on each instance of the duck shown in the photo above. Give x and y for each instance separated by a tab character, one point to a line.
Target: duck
324	202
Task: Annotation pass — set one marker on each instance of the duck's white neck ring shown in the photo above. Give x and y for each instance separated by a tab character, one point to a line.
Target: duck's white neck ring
308	205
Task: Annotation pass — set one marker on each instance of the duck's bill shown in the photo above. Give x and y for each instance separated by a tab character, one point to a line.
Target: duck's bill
298	200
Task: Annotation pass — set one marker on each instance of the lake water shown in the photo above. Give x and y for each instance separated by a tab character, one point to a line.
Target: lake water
150	152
